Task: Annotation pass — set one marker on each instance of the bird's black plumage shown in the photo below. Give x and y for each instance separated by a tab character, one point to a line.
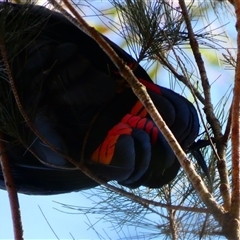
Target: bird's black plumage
77	100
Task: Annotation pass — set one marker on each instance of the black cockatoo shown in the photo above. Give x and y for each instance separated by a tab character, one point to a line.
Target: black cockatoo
77	100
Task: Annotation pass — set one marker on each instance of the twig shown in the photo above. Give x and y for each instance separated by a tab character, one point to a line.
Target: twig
221	164
195	96
8	177
181	77
12	193
141	93
213	121
235	203
227	131
48	223
173	225
211	118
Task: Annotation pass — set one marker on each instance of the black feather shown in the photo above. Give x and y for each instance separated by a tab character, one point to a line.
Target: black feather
75	97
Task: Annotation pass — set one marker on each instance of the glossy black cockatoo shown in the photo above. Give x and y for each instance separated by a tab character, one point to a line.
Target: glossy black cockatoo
77	100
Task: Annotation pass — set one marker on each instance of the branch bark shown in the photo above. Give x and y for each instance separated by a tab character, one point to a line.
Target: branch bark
8	177
141	93
12	193
235	203
211	118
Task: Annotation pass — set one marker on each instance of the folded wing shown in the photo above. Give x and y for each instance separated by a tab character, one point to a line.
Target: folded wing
78	102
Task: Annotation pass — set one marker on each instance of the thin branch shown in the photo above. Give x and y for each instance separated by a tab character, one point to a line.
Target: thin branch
141	93
173	225
235	204
48	223
222	165
227	131
12	193
172	216
8	177
142	201
195	96
181	77
213	121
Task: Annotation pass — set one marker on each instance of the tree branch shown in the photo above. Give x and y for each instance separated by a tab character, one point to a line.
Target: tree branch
235	203
211	118
12	193
141	93
8	177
